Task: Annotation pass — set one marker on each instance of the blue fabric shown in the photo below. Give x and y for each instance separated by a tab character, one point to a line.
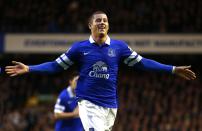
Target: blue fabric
98	67
151	65
48	67
70	103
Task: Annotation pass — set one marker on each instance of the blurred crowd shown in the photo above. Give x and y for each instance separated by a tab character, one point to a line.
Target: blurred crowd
151	102
125	16
38	118
147	101
25	104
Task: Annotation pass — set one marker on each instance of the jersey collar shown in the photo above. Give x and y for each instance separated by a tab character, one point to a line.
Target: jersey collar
106	42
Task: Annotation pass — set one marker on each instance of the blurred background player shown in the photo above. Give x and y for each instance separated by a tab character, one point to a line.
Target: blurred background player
66	110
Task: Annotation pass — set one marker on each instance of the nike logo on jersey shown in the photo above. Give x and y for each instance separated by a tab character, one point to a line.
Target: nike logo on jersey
86	53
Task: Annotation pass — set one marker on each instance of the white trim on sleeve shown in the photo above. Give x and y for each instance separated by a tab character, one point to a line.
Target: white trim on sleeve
133	55
132	60
57	111
61	63
66	59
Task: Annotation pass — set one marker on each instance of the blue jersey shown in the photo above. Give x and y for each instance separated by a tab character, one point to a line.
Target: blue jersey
98	68
66	102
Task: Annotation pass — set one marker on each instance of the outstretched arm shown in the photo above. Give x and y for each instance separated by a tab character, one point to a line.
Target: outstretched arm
131	58
19	68
63	62
151	65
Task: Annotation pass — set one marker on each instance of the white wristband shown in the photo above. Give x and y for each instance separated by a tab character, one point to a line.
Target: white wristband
173	70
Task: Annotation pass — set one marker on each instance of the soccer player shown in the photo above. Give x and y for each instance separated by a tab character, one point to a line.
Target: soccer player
66	109
98	59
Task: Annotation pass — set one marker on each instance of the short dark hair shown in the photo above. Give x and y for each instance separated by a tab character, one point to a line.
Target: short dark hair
95	13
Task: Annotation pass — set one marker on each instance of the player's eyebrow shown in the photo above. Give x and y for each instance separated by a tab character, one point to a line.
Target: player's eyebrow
98	19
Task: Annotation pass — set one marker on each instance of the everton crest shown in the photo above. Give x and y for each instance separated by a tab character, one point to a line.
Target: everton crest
111	52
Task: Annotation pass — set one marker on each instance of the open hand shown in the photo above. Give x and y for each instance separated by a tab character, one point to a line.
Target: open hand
185	72
17	69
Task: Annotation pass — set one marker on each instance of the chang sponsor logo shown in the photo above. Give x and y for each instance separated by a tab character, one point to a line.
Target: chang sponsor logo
99	70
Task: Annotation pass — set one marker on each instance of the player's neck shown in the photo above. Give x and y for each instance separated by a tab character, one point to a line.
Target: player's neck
73	91
99	39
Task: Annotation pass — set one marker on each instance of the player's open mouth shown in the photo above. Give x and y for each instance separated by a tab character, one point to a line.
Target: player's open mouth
101	26
101	30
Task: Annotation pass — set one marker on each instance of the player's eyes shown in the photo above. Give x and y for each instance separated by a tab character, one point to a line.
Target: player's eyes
105	20
98	20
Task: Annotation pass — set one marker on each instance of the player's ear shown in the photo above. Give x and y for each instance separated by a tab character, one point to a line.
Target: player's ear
89	25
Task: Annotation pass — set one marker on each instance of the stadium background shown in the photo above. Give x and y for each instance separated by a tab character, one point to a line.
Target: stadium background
148	101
